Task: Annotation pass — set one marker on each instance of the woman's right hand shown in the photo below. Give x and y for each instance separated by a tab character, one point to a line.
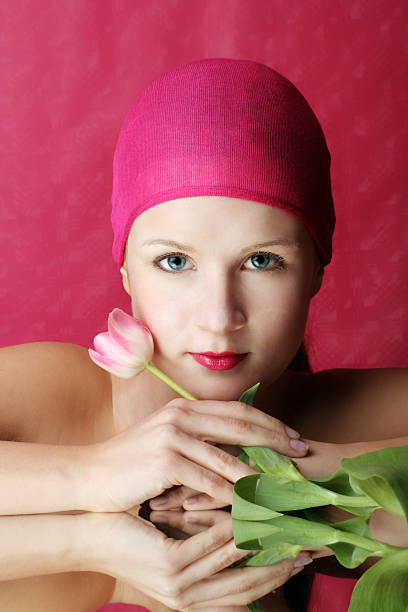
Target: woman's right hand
173	447
192	573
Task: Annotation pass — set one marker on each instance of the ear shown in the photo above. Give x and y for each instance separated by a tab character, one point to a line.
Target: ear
317	280
125	278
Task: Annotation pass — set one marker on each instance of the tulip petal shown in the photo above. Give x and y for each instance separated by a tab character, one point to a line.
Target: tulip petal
106	345
132	335
110	365
127	321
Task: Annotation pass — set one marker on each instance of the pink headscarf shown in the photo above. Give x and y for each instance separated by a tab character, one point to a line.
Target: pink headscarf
224	127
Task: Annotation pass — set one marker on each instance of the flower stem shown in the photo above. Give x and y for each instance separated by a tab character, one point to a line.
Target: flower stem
152	368
380	549
349	500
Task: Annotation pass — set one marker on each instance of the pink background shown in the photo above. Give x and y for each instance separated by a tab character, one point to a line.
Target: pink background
70	71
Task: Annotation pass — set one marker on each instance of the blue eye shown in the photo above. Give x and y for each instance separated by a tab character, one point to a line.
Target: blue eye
173	256
278	261
261	256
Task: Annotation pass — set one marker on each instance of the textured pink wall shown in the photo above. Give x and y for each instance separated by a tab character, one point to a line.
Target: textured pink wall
71	69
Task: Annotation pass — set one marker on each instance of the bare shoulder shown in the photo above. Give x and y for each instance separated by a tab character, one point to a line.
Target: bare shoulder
49	391
350	405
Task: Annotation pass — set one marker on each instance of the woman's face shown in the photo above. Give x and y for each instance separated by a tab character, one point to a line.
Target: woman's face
217	294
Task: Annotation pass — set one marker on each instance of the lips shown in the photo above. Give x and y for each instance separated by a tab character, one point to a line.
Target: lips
226	361
211	354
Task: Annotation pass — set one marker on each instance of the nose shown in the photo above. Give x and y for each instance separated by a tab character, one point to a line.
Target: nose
219	309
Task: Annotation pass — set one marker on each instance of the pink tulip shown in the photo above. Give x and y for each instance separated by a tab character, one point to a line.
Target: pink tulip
126	348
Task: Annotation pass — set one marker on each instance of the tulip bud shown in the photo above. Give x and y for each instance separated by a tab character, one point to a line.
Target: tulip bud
126	348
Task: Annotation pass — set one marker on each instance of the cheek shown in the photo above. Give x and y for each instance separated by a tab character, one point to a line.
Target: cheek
161	310
286	311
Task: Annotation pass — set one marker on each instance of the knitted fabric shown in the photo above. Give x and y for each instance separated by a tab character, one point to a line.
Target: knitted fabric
223	127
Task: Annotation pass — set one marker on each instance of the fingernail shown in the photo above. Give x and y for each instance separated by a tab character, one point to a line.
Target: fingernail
302	560
298	445
299	564
158	501
291	432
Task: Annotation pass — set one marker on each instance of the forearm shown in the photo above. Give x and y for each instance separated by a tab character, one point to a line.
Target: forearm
39	544
324	458
42	478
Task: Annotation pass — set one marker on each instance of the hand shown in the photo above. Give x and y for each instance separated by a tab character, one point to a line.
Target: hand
179	498
196	522
323	459
188	574
172	447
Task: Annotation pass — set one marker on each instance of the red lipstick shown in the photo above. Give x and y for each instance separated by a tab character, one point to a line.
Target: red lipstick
219	361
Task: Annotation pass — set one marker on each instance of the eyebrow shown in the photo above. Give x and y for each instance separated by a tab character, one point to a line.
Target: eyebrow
187	247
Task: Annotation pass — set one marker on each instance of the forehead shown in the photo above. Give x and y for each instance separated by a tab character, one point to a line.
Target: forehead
195	217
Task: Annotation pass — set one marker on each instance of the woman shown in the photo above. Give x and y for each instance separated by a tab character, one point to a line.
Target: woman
226	159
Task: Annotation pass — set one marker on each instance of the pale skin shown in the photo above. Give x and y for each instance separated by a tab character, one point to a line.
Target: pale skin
221	299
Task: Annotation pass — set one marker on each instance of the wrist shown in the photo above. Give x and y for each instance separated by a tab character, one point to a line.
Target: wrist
323	458
91	543
87	478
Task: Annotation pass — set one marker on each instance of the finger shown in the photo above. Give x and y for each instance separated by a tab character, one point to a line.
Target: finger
204	467
201	545
177	520
189	522
172	499
202	502
232	423
210	564
240	586
237	586
206	518
197	501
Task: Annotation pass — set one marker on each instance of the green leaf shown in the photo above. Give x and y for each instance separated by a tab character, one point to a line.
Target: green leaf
247	534
350	540
276	495
269	556
363	511
271	462
244	457
383	475
243	501
364	483
302	493
295	530
383	587
248	396
339	482
347	554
